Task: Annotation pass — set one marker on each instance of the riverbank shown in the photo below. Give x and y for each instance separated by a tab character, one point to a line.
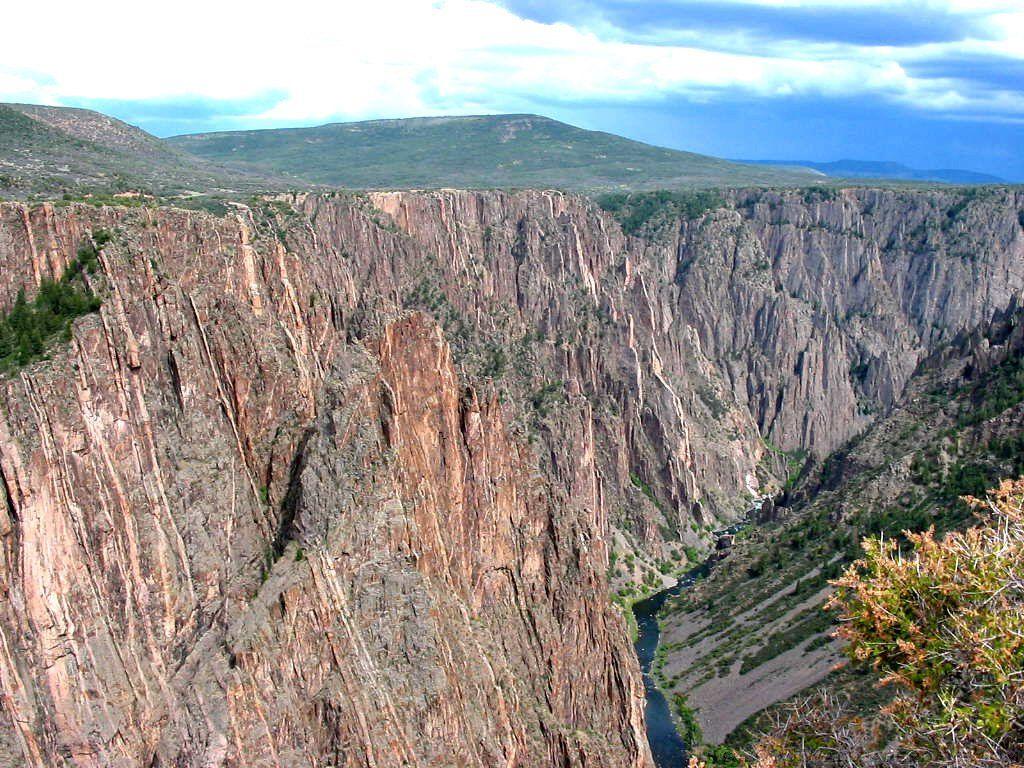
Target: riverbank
668	747
754	633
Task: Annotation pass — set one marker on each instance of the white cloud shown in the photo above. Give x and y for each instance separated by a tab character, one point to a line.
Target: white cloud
406	57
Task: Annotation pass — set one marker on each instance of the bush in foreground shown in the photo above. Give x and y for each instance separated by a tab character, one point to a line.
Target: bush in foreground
942	622
29	329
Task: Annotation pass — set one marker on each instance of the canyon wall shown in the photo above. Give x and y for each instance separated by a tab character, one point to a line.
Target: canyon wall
819	306
334	479
232	535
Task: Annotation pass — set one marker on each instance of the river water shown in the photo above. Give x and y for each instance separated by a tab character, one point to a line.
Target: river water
667	746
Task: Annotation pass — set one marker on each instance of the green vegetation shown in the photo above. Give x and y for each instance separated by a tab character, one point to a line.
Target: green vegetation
813	622
546	397
495	362
686	721
967	196
99	199
903	479
642	213
501	151
995	392
29	329
646	490
943	625
794	461
53	150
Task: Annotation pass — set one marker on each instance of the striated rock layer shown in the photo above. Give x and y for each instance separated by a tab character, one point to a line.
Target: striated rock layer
233	537
333	480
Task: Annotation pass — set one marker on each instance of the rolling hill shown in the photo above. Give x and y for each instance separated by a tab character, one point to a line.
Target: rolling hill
474	152
53	150
48	150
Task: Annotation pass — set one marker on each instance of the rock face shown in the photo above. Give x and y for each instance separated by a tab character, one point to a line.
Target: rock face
819	308
332	480
796	317
755	632
232	537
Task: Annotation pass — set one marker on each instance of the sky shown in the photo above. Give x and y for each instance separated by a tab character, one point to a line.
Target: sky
931	83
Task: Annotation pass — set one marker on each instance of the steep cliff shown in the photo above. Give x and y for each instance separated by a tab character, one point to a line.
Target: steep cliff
339	478
784	323
233	536
756	632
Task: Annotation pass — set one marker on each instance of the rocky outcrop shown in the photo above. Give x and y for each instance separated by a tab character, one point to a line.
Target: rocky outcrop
234	536
332	479
818	307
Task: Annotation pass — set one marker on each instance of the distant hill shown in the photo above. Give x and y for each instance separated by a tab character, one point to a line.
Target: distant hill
870	169
49	150
474	152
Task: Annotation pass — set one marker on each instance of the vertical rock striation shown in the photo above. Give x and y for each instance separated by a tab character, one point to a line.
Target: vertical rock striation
333	480
234	536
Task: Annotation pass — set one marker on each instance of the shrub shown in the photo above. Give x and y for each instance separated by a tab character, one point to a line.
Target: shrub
946	626
943	623
30	328
640	211
818	731
689	728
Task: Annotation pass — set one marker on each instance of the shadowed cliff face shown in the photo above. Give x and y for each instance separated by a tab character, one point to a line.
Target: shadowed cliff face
818	310
257	513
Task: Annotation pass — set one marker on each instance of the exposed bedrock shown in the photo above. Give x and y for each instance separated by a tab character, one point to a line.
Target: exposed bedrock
333	480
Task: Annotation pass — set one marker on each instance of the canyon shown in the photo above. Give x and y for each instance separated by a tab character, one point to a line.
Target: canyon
350	479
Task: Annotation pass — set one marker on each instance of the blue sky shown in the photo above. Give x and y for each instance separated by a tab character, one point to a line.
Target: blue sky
932	83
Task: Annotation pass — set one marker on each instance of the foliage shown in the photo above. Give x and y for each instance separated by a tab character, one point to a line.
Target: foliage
495	362
783	640
719	756
546	397
818	731
30	328
687	725
638	482
944	625
641	212
995	392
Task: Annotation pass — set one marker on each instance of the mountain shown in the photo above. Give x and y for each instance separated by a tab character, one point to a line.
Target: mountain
870	169
347	478
498	151
49	150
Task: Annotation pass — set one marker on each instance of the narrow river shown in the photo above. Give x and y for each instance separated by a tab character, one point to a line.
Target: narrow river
667	746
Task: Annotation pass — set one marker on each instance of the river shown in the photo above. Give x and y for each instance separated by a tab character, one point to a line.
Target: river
667	746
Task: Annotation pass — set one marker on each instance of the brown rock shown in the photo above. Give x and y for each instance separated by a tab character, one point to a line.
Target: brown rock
255	513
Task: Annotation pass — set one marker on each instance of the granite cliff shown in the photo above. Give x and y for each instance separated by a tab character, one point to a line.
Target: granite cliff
235	535
338	479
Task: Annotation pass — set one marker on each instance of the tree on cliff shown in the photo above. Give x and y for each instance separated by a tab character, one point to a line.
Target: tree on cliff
942	622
